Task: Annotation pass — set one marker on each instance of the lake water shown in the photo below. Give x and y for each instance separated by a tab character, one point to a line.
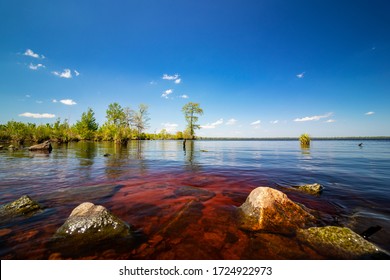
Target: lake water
142	184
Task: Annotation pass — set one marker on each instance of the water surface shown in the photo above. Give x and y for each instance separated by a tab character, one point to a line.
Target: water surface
142	182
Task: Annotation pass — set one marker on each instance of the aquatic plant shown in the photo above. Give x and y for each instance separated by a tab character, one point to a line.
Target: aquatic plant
305	140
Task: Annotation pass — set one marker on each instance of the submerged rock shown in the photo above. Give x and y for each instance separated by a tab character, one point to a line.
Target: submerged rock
22	206
310	188
89	223
340	243
45	146
270	210
198	193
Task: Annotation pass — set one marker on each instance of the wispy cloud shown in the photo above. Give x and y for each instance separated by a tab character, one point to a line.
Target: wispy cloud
212	125
369	113
256	122
170	127
28	95
39	101
77	73
30	53
37	116
184	96
170	77
274	122
67	102
36	66
166	93
176	78
330	121
301	75
67	74
54	100
231	122
313	118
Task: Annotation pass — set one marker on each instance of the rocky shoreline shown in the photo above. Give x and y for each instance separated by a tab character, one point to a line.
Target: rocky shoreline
267	214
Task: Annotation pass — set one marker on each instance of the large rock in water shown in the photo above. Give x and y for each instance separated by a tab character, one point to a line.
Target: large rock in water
45	146
340	243
267	209
89	224
22	206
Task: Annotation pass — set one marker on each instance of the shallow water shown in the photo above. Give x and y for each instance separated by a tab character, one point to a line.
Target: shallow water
153	185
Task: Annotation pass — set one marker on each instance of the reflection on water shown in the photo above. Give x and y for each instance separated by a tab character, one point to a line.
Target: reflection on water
149	183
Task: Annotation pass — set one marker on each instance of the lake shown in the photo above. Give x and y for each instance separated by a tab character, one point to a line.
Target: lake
141	183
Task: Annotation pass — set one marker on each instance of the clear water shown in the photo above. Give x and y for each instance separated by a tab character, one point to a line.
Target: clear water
138	183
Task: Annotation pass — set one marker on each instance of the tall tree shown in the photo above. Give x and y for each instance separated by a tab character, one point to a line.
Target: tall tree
116	115
140	119
191	110
87	126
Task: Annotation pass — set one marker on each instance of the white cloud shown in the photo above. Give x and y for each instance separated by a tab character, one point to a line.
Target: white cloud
67	102
170	127
166	93
301	75
212	125
77	73
37	116
274	122
176	78
231	122
55	101
67	74
29	52
184	96
313	118
330	121
36	66
256	122
369	113
170	77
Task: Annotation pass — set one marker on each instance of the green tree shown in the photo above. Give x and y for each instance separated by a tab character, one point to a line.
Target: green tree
87	126
191	110
116	115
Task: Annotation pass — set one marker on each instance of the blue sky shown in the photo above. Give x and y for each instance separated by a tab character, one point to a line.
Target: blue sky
258	68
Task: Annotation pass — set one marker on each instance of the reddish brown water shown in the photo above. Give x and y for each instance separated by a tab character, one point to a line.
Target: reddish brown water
179	210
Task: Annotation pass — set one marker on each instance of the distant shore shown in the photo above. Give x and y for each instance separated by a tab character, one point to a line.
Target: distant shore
357	138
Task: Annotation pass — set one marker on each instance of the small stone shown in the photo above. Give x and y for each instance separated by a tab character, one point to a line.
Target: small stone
310	188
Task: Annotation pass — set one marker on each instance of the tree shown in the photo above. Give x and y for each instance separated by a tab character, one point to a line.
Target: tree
190	111
87	126
116	115
140	119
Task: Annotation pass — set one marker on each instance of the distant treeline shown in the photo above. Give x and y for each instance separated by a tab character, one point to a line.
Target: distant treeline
122	124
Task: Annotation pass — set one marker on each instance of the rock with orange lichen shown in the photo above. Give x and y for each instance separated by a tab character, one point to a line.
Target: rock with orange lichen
267	209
